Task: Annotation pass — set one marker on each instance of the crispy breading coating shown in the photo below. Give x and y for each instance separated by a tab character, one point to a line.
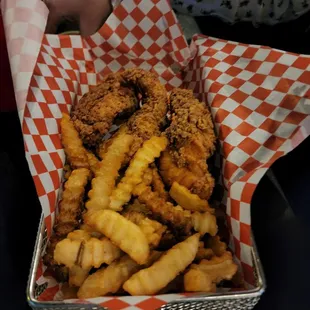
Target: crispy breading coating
164	211
202	185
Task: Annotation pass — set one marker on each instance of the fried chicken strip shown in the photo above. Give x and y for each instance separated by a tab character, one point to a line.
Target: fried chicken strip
95	113
191	136
165	212
147	121
202	185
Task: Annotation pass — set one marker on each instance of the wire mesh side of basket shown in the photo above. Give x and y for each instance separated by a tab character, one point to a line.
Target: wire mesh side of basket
220	301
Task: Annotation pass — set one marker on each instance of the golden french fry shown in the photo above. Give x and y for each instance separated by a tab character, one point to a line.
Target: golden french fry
109	279
77	275
72	143
104	145
85	252
150	280
133	175
70	206
187	200
153	230
93	161
107	172
79	234
217	246
205	276
122	232
67	251
204	223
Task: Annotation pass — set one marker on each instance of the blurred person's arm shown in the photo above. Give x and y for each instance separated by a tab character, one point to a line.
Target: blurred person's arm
90	14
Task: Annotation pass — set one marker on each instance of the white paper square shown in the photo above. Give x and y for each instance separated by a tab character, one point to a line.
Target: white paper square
46	180
222	66
255	119
279	114
52	126
242	63
237	175
227	90
130	40
146	41
238	50
270	82
234	138
287	59
248	88
246	254
30	146
237	156
38	94
49	164
265	68
263	154
48	142
236	190
232	121
261	54
245	213
113	23
224	78
35	110
146	24
260	135
251	102
229	105
174	30
245	75
292	73
129	22
235	226
285	130
275	97
220	56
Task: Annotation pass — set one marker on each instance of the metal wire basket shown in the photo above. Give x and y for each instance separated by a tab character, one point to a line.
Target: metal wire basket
222	301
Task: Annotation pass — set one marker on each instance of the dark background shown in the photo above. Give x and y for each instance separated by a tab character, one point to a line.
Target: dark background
281	224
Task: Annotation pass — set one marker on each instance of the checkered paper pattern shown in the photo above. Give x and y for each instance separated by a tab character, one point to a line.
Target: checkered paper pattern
24	22
259	99
260	103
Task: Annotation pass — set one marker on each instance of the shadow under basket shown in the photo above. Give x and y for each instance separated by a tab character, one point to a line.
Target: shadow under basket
201	301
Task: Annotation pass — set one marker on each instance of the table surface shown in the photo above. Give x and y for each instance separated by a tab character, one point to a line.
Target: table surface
281	225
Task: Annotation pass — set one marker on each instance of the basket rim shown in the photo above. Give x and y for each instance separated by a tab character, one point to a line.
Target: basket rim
200	297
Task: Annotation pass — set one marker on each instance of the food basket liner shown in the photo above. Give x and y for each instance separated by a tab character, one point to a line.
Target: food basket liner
259	99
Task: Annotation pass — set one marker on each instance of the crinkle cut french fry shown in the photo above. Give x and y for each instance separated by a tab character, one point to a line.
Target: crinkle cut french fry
85	252
153	230
67	251
107	172
187	200
122	232
205	276
133	175
70	205
77	275
72	143
110	279
93	161
204	223
150	280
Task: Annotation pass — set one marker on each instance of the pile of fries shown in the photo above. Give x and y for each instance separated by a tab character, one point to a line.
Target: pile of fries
121	229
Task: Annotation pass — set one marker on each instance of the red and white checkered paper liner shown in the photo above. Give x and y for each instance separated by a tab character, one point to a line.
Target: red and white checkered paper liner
259	98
